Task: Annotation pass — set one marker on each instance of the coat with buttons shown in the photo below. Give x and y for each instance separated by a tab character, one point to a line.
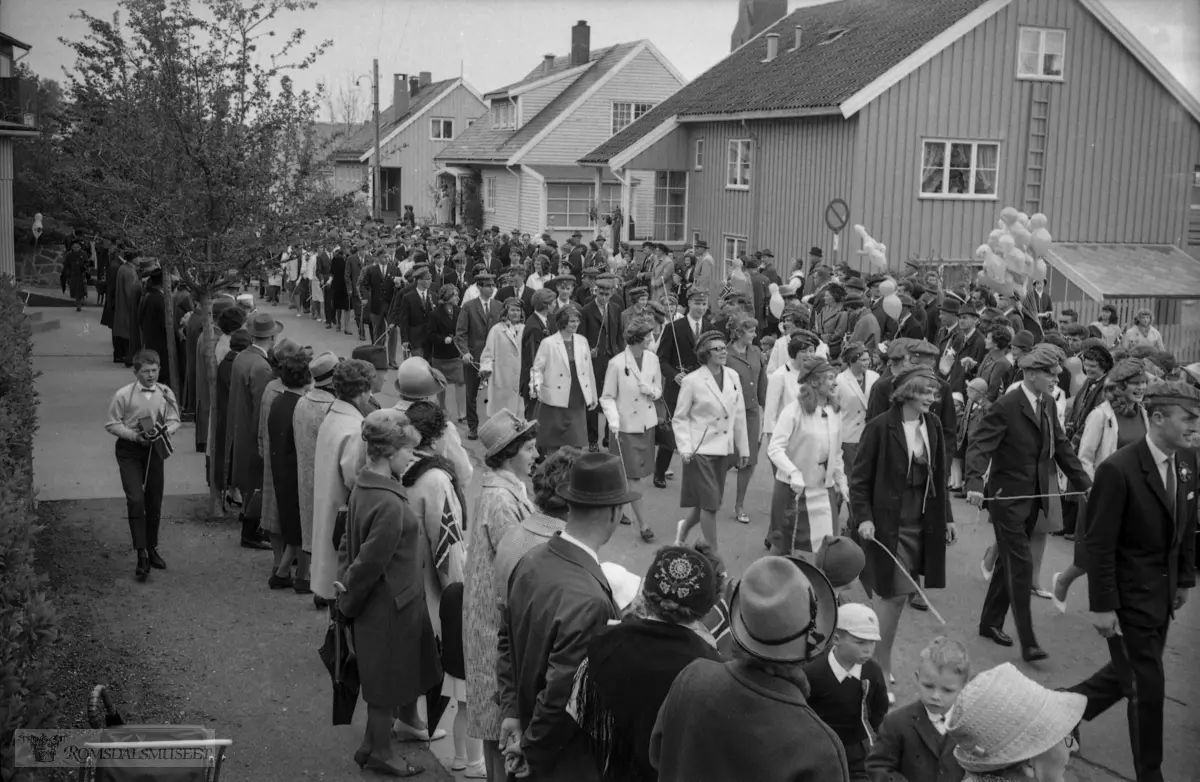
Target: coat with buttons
711	421
626	407
910	749
550	378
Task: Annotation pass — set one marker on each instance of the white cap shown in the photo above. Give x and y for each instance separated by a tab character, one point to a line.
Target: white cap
859	621
625	585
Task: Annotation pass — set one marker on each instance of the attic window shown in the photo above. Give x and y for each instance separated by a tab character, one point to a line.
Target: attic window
834	34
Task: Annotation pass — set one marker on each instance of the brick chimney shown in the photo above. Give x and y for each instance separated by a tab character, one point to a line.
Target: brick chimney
399	95
414	86
547	64
426	79
581	44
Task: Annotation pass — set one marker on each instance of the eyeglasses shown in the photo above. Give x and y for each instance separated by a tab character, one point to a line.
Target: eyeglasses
719	348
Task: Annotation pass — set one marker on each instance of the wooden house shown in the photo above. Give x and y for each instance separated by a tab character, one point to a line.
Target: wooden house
522	154
18	100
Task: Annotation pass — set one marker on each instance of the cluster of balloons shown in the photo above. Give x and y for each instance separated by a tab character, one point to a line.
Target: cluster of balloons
875	251
1014	254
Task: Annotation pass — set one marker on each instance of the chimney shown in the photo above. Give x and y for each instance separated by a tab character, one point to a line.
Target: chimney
426	79
547	64
799	35
581	44
772	46
399	95
414	86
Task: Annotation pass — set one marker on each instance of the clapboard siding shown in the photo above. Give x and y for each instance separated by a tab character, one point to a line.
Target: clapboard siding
533	214
508	186
644	79
535	100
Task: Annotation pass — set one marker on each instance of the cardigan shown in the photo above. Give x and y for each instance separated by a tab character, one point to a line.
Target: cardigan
793	450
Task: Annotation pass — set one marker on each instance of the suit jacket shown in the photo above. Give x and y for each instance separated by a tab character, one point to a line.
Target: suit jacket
558	601
415	319
551	373
531	339
509	291
1022	458
677	353
374	288
710	420
354	267
911	328
603	333
909	749
474	323
1140	549
446	276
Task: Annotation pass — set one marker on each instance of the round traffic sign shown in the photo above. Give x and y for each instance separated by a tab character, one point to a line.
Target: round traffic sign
837	214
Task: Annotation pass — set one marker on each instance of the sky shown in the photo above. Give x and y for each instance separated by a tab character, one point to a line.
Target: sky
496	42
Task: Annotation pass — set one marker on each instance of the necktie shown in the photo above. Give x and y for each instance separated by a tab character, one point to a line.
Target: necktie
695	330
1172	500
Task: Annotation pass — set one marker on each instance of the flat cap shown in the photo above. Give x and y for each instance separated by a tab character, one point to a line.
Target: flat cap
898	348
922	347
1127	369
1175	392
1024	340
1044	357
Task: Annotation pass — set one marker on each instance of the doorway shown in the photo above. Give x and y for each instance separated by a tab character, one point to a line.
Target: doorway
389	200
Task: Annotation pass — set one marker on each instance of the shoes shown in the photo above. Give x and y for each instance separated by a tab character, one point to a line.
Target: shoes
328	326
647	535
320	602
660	483
143	567
388	770
393	365
231	500
302	586
995	634
473	434
1061	605
1042	593
458	764
156	561
477	771
670	473
1033	654
626	521
277	581
255	543
742	517
916	603
593	448
402	731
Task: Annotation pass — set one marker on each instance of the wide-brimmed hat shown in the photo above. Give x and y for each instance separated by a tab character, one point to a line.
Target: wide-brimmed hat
966	308
262	325
416	380
1002	717
701	244
500	430
597	481
783	610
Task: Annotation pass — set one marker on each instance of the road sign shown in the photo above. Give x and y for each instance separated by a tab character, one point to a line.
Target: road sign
837	214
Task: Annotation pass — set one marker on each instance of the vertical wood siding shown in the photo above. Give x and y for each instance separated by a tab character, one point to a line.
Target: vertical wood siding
642	80
1120	149
8	250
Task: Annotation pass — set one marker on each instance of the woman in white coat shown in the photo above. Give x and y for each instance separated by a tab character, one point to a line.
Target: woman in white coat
806	449
339	456
562	381
500	362
710	435
631	385
854	386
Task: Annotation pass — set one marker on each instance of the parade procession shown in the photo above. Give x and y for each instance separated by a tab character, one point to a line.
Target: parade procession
484	437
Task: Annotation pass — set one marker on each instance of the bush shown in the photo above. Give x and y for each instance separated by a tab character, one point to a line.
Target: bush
28	623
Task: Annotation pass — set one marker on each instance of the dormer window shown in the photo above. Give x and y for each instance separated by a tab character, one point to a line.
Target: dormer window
1041	54
504	114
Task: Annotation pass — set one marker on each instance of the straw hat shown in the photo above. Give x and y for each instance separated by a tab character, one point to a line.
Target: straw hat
321	368
1002	718
500	430
417	380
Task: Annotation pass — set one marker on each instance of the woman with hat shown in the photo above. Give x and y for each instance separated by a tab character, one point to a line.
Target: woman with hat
1142	332
806	449
710	435
1009	728
1115	423
900	502
563	286
509	453
562	380
311	409
444	355
747	361
500	363
379	566
281	476
745	719
629	668
632	388
219	447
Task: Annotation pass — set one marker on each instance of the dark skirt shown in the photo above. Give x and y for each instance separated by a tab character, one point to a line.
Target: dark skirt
559	426
636	452
703	483
793	527
910	542
754	433
452	368
285	476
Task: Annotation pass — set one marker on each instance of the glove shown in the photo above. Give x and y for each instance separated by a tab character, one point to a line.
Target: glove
614	423
646	389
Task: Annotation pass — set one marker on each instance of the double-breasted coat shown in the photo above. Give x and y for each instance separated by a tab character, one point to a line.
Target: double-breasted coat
306	425
339	456
708	420
502	357
551	373
281	474
248	380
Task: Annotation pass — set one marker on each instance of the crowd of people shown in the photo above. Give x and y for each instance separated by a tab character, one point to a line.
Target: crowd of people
595	369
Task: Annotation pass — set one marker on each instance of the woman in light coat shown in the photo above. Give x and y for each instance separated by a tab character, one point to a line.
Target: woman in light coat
563	382
1142	333
500	362
631	385
854	385
339	456
710	435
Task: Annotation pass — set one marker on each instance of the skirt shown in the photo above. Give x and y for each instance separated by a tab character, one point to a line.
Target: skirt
454	688
703	483
559	426
636	452
754	434
452	368
800	529
910	544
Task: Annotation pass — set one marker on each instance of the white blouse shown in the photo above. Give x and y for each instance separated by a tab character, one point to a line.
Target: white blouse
917	437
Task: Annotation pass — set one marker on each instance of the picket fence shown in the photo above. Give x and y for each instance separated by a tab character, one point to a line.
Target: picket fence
1182	339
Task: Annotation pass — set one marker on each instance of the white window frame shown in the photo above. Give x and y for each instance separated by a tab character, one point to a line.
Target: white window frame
489	194
682	223
1042	33
637	110
1194	189
504	113
741	243
609	198
946	170
698	155
572	198
437	129
737	163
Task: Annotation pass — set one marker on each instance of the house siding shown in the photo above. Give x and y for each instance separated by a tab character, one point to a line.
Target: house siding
645	79
416	159
535	100
506	213
1119	149
532	215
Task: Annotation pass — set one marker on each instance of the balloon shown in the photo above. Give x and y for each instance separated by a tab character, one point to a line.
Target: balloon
1021	235
1008	215
1014	259
776	303
887	287
983	280
994	240
891	305
982	251
1006	243
1023	219
1038	271
1038	221
993	266
878	259
1041	241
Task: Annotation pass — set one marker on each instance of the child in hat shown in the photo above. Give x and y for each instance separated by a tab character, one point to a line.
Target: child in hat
849	692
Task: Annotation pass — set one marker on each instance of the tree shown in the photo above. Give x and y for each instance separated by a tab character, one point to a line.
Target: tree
189	142
346	105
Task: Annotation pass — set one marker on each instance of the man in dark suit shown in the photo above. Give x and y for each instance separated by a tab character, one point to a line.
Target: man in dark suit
600	325
759	285
517	289
416	307
558	601
908	326
1141	539
575	256
354	268
1021	440
676	358
441	274
475	320
973	350
537	328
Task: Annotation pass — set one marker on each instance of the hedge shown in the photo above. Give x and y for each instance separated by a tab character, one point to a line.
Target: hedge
28	623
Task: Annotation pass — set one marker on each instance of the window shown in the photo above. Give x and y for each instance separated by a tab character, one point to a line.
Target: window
739	164
959	169
610	198
567	205
670	205
1195	203
625	113
1041	54
504	114
734	246
441	129
698	160
489	194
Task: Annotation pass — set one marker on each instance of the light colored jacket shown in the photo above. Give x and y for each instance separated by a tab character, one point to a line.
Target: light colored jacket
339	457
1099	439
550	378
502	358
705	277
711	421
626	407
782	389
852	399
794	447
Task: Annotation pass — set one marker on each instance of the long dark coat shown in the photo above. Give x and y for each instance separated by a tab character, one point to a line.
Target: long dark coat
879	476
127	289
251	373
75	273
382	565
152	324
110	290
284	471
219	449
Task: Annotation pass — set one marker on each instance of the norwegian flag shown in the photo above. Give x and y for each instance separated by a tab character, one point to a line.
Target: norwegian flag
449	535
160	440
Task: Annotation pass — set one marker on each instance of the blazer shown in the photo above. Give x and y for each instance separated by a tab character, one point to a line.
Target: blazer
911	328
526	297
558	601
625	407
909	749
446	276
606	334
531	339
373	289
677	353
415	319
852	399
474	324
711	421
550	376
1140	549
1099	440
443	324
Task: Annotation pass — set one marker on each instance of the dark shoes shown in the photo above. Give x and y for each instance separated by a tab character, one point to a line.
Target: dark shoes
302	586
279	582
156	561
916	603
593	448
997	635
143	566
473	434
254	543
1033	654
320	602
660	483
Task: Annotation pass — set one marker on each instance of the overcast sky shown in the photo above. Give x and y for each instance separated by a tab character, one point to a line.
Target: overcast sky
495	42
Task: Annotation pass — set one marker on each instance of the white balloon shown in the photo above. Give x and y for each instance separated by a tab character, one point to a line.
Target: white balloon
776	303
892	306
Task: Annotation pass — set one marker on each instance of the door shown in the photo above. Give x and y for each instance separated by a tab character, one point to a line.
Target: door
390	187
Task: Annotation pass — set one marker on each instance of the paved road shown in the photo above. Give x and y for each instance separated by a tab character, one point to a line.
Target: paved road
73	461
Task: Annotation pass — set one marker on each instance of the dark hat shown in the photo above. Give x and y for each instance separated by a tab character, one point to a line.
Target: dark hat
701	244
683	576
1043	357
783	610
577	234
240	340
952	306
420	271
875	279
1127	369
967	309
554	283
809	338
375	355
639	290
816	252
1175	392
991	313
1024	340
766	253
898	348
155	277
485	277
856	283
809	365
697	292
262	325
907	301
709	336
591	271
851	352
1074	330
597	481
841	560
854	300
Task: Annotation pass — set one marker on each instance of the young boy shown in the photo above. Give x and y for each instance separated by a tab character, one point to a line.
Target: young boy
912	743
849	692
141	416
